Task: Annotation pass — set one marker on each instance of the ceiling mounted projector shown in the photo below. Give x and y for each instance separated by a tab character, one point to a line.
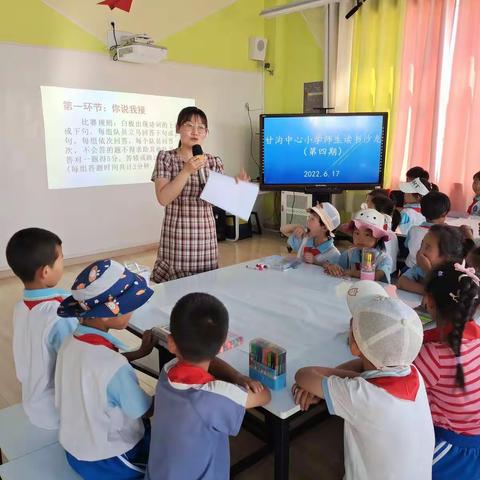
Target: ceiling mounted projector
134	48
139	53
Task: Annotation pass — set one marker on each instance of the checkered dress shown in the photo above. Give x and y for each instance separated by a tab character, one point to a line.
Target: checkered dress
188	242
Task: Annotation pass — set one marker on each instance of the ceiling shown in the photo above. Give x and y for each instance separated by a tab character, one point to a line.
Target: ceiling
158	18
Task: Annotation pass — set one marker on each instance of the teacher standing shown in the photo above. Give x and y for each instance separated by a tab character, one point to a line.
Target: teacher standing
188	242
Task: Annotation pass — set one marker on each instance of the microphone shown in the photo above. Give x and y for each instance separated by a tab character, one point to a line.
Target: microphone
196	151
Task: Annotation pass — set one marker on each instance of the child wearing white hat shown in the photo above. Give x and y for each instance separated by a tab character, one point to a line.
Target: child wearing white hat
388	430
411	213
314	244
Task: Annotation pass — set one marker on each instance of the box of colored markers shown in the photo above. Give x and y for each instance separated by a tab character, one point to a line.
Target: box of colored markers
268	363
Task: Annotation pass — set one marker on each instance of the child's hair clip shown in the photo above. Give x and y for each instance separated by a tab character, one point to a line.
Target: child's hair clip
455	297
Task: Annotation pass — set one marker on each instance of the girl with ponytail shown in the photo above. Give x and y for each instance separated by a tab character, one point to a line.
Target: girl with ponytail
449	362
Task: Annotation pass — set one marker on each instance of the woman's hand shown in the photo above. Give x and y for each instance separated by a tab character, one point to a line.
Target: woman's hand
194	164
242	176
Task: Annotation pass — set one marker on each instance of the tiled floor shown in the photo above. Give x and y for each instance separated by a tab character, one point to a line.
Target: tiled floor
315	454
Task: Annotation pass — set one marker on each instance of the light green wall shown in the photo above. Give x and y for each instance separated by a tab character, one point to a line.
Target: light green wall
220	40
31	22
295	58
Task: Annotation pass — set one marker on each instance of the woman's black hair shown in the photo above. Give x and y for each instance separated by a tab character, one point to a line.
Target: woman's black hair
451	242
383	204
187	114
455	296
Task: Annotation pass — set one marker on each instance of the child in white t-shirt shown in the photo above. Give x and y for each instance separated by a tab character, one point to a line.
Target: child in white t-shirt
315	243
388	432
35	256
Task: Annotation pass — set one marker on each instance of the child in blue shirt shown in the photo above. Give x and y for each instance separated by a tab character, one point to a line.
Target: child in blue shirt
442	243
411	213
315	244
100	401
369	230
434	207
199	400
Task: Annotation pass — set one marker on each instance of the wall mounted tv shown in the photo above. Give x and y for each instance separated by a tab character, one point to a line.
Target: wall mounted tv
329	153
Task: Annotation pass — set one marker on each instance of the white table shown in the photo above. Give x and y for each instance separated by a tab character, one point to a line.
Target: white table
300	309
473	221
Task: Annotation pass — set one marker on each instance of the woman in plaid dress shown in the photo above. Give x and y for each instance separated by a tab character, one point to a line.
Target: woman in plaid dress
188	242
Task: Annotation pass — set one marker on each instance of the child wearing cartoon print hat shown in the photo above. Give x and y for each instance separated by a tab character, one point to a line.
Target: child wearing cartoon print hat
314	243
100	402
369	230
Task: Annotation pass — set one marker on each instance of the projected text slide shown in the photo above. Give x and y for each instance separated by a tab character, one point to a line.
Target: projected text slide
95	138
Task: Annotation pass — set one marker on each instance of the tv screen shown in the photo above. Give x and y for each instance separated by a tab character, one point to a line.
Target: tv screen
336	151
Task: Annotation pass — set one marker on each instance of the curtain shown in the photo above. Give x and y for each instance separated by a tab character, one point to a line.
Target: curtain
368	61
414	142
459	158
439	98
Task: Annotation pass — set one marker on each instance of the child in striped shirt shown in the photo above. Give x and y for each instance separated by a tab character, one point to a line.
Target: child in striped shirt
449	362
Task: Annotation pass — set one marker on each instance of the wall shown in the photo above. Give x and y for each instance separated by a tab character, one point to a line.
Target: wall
40	46
296	56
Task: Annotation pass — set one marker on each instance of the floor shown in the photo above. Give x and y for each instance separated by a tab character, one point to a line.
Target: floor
315	454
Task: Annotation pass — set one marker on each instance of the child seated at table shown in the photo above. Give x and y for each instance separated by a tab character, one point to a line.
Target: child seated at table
369	230
388	430
442	243
35	256
376	192
385	205
474	208
449	362
411	213
434	207
100	401
417	172
315	243
199	399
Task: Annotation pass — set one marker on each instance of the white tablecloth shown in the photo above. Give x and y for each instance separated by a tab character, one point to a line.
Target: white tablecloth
300	310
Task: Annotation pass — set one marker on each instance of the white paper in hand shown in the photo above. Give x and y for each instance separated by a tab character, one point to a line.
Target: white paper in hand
236	198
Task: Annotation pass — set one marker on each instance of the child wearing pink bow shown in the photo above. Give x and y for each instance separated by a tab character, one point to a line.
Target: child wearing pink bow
449	362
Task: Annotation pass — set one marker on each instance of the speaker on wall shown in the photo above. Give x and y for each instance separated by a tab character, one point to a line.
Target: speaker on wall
257	48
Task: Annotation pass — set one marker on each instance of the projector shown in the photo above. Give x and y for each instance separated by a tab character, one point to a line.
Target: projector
139	53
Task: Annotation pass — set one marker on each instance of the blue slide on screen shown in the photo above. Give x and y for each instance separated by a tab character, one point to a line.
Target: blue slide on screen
330	149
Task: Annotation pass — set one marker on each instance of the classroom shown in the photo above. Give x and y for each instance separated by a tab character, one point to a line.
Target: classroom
240	239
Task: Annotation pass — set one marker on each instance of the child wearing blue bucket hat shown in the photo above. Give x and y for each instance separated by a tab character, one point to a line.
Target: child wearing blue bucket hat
99	399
